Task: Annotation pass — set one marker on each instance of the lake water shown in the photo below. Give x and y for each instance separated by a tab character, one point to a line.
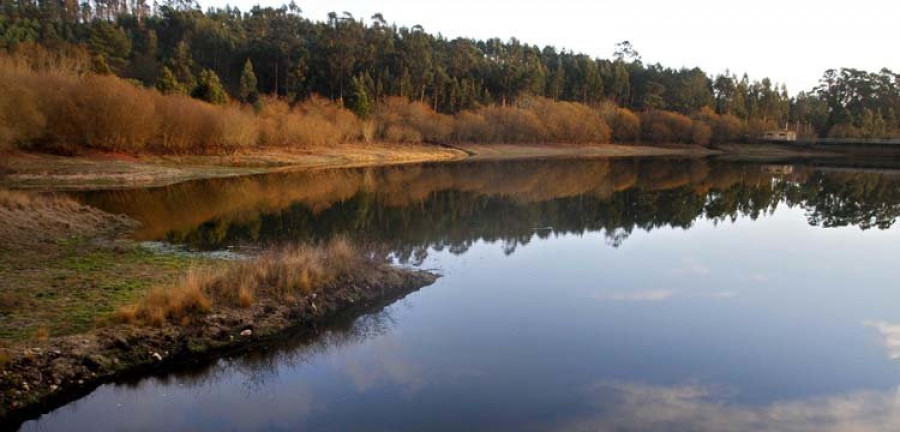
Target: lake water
576	295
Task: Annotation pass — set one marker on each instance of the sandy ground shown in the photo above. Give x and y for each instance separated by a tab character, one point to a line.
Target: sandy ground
28	170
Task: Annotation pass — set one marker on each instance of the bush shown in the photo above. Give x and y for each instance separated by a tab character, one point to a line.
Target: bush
346	124
625	125
186	125
313	123
666	127
98	112
724	128
568	122
235	128
845	130
511	125
470	127
400	120
21	119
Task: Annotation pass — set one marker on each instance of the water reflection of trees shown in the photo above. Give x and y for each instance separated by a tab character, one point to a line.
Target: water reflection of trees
258	367
451	206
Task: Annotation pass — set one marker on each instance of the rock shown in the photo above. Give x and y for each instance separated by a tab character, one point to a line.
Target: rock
80	382
247	333
156	356
25	386
120	343
94	361
53	387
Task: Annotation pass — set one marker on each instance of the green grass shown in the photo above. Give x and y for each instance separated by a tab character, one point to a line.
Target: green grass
66	288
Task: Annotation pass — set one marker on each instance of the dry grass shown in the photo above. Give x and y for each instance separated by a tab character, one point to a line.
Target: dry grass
27	219
280	275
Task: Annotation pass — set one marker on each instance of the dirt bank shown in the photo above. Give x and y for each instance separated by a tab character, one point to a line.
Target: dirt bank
41	376
109	171
533	151
31	220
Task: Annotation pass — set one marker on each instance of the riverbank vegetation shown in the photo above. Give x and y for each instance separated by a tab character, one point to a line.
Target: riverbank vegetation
282	275
83	305
62	266
172	79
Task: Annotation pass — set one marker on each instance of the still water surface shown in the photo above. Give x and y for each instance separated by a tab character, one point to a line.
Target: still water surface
576	295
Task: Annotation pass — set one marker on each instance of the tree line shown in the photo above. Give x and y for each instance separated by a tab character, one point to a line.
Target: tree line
362	65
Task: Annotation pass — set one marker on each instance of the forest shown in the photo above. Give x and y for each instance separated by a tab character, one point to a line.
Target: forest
172	78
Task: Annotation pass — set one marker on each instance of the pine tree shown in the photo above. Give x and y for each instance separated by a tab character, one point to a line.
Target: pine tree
181	63
248	91
209	88
360	102
167	83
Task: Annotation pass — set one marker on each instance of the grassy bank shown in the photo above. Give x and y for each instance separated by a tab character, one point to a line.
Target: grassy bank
79	304
63	265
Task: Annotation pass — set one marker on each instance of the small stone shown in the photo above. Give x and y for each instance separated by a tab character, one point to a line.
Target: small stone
25	387
156	356
53	387
80	382
247	333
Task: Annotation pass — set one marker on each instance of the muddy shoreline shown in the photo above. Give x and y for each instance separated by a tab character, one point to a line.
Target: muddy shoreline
42	376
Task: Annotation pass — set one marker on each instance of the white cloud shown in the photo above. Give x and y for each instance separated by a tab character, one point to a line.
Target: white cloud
890	335
628	406
653	295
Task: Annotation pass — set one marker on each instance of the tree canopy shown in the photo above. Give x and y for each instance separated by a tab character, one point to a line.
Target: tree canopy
361	62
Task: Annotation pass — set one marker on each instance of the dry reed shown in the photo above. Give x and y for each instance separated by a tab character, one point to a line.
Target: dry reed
280	275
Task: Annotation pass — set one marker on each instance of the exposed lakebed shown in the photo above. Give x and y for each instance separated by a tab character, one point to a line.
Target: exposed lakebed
577	295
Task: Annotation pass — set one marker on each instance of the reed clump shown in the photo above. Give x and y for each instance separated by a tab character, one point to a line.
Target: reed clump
282	275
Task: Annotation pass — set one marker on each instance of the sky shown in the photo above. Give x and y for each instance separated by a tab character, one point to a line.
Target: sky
789	41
